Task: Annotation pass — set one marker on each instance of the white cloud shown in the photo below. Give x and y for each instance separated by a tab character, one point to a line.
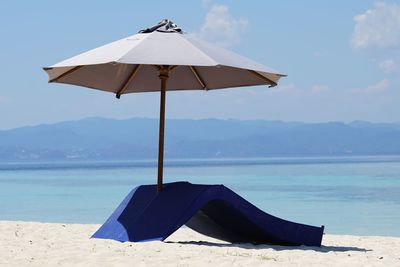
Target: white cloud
317	54
319	88
381	86
206	2
379	27
221	27
387	65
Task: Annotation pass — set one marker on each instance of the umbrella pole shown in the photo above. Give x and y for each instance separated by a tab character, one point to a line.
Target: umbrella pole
163	75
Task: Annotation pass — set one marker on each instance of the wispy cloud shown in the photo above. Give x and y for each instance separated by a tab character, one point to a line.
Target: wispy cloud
317	54
379	27
380	86
206	2
221	27
285	88
319	88
388	65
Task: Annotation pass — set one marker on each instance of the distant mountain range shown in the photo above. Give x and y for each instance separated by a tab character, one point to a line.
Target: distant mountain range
109	139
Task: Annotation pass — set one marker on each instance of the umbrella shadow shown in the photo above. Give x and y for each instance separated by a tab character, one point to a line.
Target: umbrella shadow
322	249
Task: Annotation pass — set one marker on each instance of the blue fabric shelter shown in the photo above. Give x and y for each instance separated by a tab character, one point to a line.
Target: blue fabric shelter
213	210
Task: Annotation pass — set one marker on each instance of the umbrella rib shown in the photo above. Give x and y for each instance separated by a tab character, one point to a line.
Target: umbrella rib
269	81
198	77
171	68
127	82
65	73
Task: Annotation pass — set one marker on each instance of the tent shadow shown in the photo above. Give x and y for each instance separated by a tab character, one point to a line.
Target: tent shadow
322	249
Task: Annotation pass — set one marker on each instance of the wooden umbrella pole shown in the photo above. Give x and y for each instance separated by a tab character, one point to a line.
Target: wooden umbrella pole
163	75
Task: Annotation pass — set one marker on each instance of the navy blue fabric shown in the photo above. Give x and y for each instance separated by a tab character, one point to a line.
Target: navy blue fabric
213	210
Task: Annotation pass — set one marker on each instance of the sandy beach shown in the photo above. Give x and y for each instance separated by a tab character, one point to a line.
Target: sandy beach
56	244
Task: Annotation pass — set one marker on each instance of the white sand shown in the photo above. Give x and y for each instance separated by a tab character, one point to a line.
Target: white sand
51	244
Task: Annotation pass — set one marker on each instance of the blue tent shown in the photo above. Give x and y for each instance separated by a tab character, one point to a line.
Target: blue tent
213	210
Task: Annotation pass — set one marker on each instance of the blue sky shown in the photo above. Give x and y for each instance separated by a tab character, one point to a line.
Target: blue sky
341	57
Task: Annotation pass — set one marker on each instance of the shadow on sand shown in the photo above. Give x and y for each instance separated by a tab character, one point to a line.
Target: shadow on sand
322	249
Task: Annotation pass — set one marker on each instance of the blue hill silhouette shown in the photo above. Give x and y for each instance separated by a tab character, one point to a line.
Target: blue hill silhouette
137	138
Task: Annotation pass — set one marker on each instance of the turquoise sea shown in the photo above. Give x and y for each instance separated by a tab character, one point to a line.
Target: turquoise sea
349	195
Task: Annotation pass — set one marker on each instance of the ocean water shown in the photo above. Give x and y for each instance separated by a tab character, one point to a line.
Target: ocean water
349	195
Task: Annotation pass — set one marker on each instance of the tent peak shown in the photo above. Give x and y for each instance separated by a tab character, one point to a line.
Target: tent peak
164	25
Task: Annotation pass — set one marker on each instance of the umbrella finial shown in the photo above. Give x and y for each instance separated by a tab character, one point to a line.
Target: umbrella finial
166	24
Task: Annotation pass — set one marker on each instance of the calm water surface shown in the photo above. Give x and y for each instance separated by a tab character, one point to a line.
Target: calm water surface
354	195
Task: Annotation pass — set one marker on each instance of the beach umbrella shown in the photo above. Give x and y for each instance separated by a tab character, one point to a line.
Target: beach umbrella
162	58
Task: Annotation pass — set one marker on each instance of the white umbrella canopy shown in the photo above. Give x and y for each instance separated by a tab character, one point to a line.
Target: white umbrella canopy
127	65
162	53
